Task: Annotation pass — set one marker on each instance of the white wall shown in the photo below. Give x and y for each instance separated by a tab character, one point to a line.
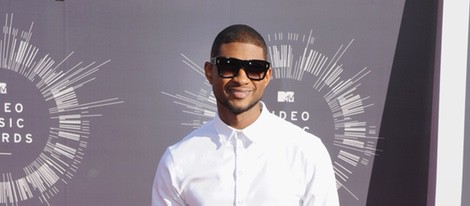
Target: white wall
453	74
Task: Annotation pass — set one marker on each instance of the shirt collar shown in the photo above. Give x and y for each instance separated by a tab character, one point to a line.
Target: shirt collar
252	134
224	131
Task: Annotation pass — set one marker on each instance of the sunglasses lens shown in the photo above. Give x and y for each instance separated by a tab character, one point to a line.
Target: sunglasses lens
256	69
229	67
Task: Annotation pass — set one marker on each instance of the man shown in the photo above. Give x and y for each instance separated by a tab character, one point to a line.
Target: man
245	155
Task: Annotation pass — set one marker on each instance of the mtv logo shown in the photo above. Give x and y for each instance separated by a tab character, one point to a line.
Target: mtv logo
285	96
3	88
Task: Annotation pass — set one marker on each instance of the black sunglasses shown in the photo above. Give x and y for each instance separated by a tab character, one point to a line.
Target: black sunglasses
229	67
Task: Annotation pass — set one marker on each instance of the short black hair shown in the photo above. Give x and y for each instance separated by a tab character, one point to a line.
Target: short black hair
238	33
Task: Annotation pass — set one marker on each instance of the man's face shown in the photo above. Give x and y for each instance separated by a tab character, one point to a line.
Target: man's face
238	94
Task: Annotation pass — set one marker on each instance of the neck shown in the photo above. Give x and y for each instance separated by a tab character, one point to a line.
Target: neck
242	120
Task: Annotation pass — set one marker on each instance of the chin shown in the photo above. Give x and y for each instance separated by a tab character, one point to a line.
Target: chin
239	109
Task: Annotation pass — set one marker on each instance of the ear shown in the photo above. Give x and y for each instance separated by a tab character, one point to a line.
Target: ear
208	71
268	76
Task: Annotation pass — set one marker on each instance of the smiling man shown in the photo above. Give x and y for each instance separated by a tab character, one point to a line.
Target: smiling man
245	155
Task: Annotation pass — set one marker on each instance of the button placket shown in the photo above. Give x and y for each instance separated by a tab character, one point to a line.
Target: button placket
240	170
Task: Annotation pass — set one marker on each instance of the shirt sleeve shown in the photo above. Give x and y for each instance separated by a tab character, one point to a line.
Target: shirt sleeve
321	184
165	190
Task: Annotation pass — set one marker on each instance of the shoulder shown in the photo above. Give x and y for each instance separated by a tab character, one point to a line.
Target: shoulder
194	144
194	138
284	135
289	130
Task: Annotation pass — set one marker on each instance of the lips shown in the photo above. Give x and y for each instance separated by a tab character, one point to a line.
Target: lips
240	93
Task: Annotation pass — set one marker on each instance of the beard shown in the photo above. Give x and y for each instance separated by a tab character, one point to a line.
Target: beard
237	110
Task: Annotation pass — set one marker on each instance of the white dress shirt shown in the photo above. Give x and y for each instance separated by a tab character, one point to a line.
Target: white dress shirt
271	162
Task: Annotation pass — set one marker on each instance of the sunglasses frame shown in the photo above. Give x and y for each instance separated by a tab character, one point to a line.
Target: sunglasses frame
247	65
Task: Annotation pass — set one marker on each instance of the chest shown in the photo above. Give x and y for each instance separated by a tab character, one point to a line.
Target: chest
234	175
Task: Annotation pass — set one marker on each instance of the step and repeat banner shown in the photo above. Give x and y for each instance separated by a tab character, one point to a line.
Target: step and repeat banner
92	92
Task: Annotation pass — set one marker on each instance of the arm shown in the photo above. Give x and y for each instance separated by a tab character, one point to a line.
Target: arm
165	190
321	183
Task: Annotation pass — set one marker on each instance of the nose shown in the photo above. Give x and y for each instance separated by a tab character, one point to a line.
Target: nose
241	77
